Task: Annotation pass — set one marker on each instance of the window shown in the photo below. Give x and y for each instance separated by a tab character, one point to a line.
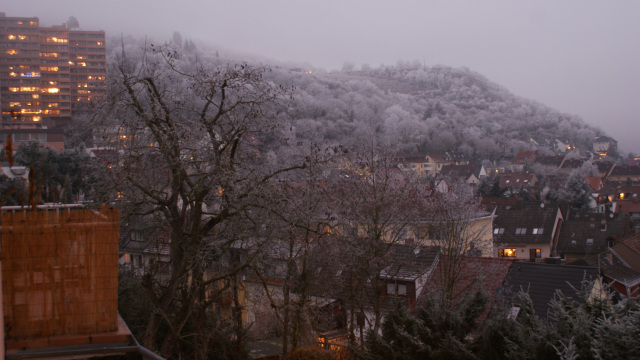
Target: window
521	231
537	231
590	241
535	253
507	252
498	231
396	289
136	236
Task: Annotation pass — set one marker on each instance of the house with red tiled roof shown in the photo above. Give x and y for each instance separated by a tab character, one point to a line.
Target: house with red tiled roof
522	159
595	182
620	266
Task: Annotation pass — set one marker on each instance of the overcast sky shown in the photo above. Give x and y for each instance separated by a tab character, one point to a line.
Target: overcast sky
580	57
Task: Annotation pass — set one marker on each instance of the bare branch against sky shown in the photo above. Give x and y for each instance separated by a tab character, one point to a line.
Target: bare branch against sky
579	57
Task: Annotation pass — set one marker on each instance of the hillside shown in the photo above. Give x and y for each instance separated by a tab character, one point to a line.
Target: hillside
425	109
422	109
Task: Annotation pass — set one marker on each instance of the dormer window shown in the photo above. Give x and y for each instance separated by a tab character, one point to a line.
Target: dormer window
521	231
396	289
498	231
537	231
590	241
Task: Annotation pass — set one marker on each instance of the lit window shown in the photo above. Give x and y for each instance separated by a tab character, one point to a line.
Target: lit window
12	51
537	231
507	252
21	37
14	89
53	90
15	104
535	253
13	74
36	118
11	37
521	231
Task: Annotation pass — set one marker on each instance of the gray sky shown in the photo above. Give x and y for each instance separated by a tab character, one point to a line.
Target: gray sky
578	56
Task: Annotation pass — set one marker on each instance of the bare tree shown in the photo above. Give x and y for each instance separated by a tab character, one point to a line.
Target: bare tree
458	225
376	206
190	143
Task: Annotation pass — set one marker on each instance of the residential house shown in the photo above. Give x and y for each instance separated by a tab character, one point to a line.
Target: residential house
527	230
521	159
625	278
436	162
542	281
513	183
604	167
621	199
595	182
624	173
563	146
471	274
359	290
547	165
416	163
620	267
605	145
493	168
470	173
569	165
583	235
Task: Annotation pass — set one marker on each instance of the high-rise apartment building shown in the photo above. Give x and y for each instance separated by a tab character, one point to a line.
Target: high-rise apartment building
46	74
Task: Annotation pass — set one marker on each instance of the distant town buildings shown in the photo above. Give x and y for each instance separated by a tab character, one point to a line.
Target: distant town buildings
46	75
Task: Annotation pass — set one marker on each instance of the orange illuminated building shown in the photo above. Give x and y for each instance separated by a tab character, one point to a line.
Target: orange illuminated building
46	73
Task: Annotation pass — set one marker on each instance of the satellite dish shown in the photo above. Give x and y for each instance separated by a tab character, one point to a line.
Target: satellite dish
542	205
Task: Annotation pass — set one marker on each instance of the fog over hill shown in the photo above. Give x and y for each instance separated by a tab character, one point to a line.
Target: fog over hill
419	108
